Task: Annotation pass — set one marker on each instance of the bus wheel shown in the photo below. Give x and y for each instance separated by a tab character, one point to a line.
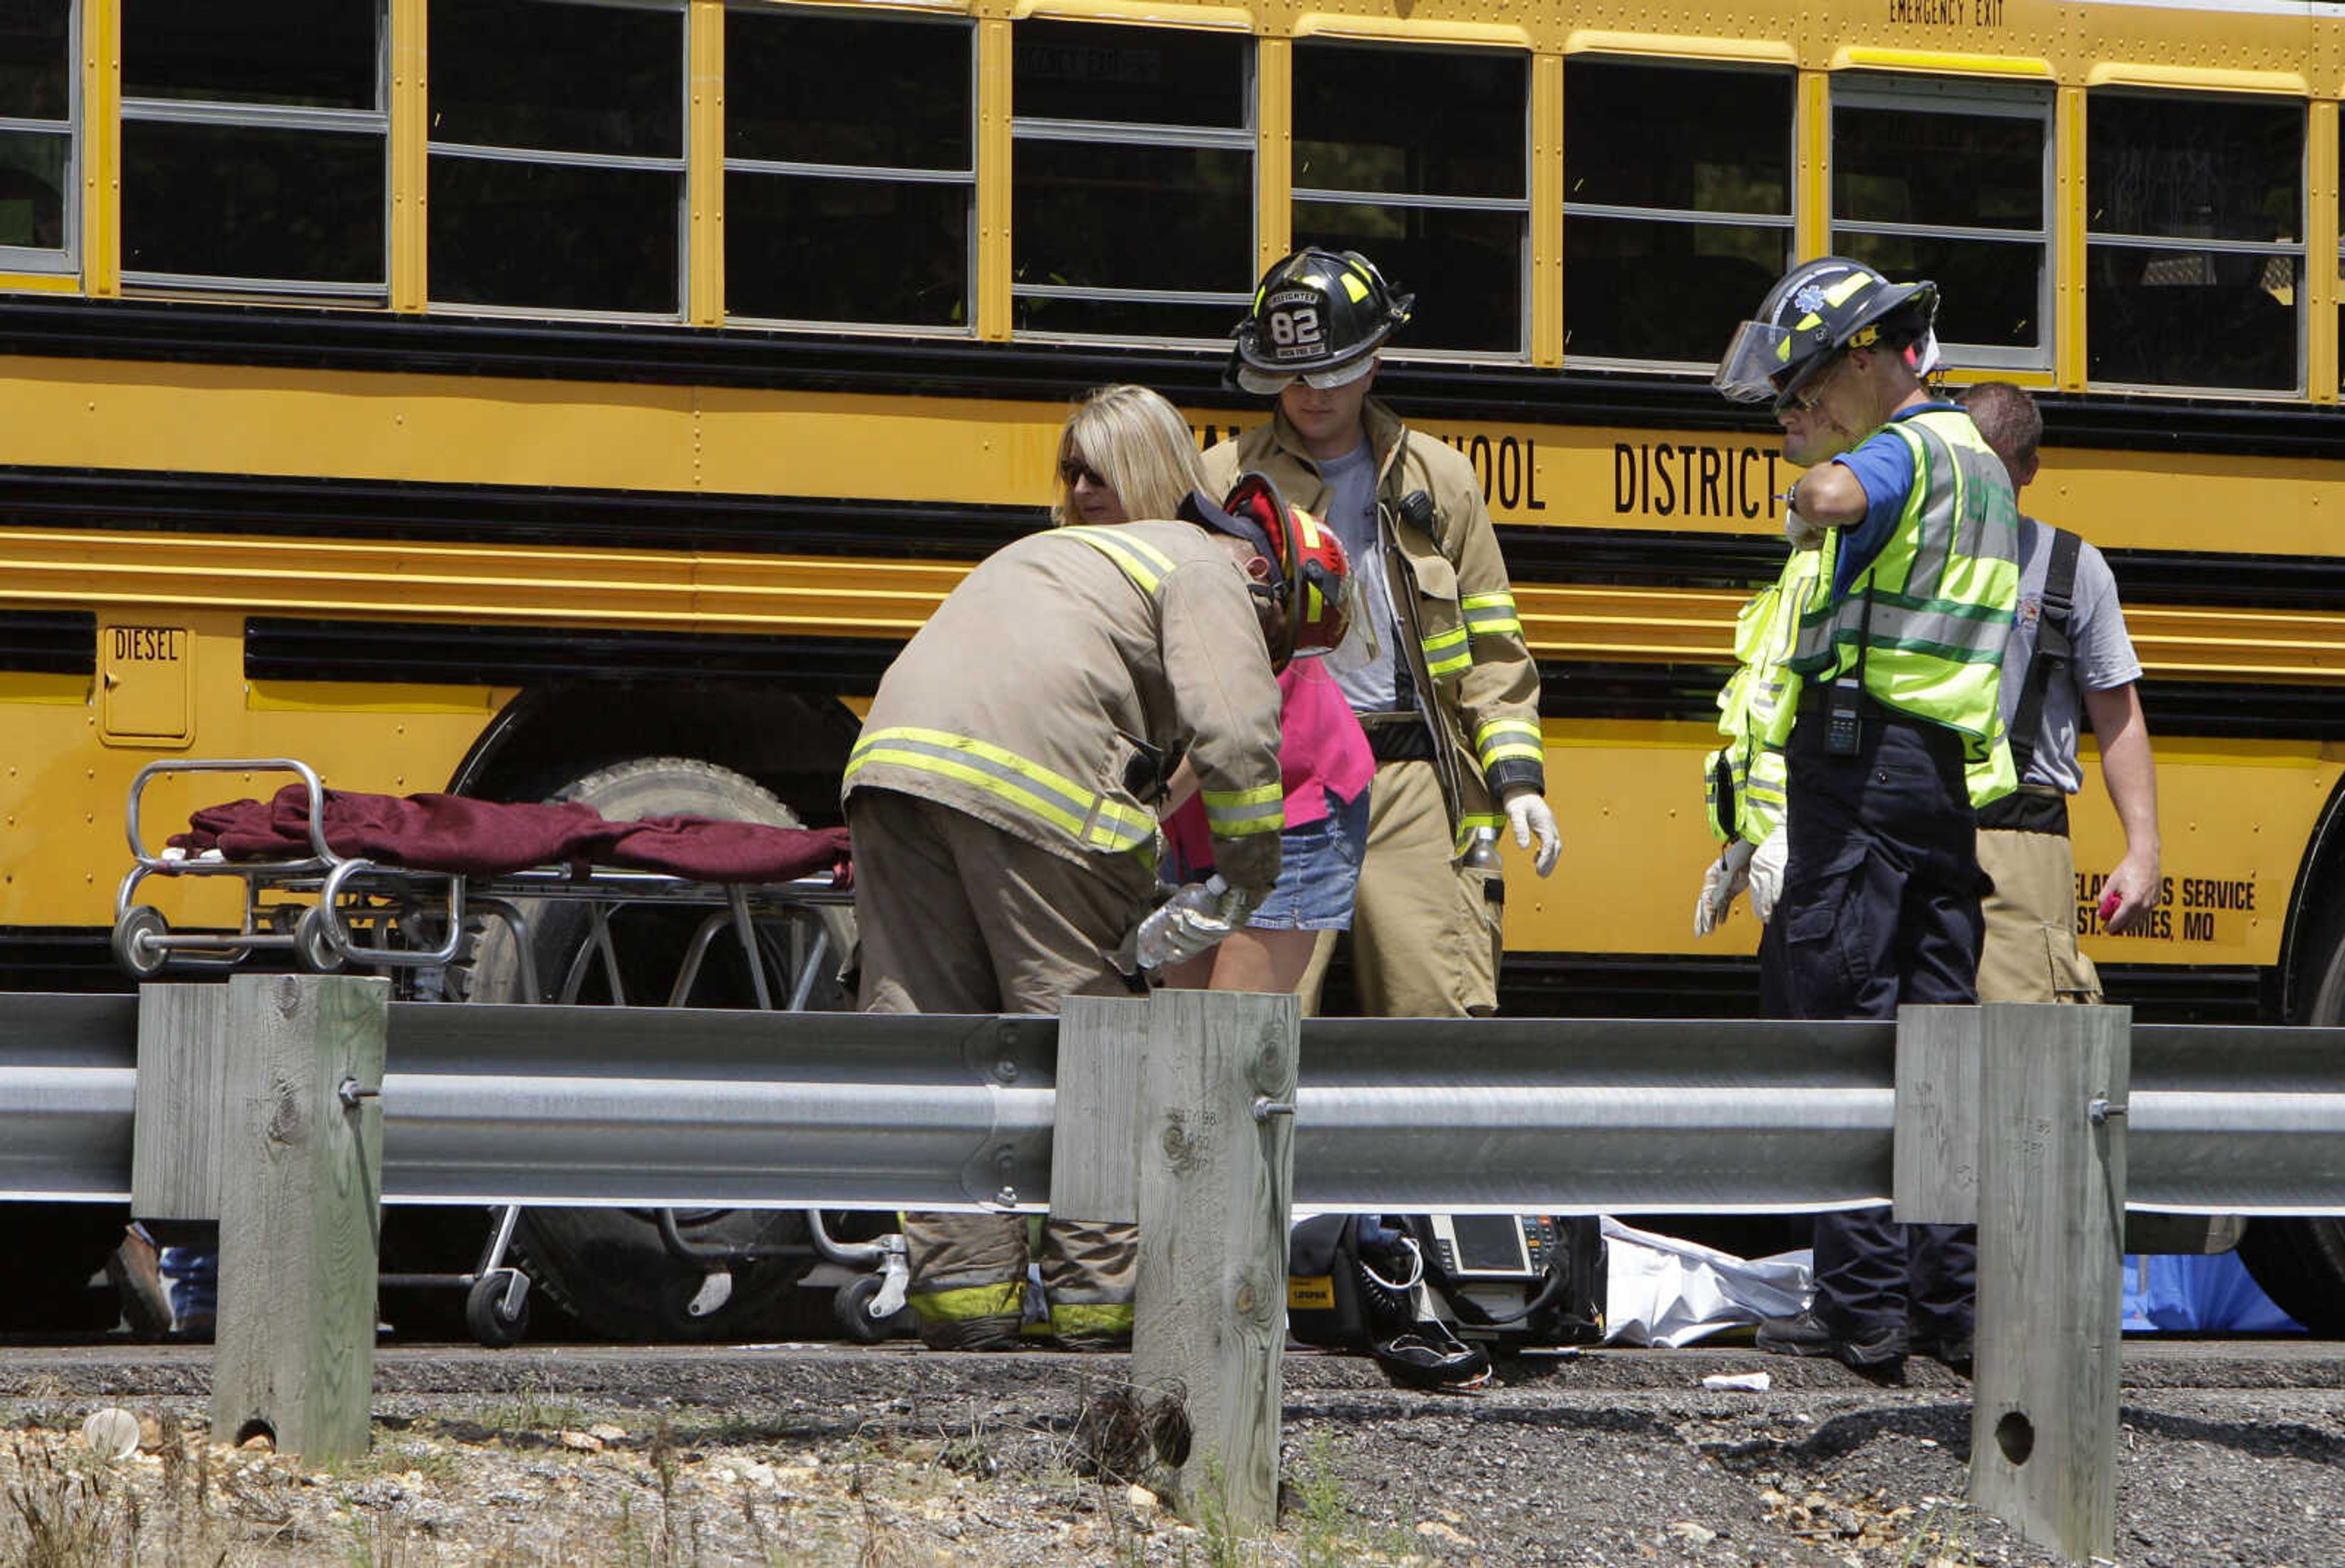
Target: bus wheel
610	1267
2300	1262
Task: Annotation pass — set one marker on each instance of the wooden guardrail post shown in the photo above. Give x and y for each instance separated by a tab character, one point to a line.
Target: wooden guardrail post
2040	1164
1214	1151
2043	1407
301	1212
180	1107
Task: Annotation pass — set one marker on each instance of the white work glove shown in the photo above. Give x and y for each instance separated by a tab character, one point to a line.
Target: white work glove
1527	812
1803	533
1726	878
1190	923
1767	873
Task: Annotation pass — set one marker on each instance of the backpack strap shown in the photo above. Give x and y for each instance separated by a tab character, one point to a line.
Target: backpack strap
2053	651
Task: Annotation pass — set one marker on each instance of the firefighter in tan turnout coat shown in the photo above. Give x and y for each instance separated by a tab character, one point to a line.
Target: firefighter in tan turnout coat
1436	665
1001	797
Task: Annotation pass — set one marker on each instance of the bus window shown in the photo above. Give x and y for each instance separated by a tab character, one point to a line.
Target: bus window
1949	181
254	146
1676	215
2195	240
1416	158
848	168
557	157
1132	180
36	142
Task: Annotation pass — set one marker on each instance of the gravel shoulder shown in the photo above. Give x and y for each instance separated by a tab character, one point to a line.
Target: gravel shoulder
2230	1453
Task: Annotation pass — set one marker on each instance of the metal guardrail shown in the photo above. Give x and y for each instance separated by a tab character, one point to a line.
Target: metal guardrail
665	1107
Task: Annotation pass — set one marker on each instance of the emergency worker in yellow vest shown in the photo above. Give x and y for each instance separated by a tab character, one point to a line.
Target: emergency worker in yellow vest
1001	799
1900	663
1745	783
1435	665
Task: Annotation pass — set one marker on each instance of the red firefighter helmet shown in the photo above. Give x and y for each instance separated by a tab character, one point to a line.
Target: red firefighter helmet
1313	578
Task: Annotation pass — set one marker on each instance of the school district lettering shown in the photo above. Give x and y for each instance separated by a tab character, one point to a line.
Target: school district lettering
1683	479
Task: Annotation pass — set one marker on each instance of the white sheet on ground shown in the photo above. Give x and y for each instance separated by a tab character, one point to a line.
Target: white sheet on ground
1660	1291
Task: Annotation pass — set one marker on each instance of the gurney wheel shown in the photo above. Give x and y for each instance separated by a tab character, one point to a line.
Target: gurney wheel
485	1315
852	1307
314	945
132	948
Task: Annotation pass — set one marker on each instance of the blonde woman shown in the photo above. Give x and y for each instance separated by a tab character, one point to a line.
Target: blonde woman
1124	454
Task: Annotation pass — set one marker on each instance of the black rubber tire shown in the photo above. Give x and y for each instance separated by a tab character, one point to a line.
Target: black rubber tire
2301	1263
608	1266
485	1316
852	1307
57	1247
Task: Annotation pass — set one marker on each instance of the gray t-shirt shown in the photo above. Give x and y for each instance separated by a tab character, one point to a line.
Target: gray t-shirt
1363	665
2102	654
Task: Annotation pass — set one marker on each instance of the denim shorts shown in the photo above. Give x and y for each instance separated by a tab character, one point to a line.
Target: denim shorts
1318	868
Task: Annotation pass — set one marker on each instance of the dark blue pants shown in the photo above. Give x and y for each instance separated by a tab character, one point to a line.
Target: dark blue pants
1879	906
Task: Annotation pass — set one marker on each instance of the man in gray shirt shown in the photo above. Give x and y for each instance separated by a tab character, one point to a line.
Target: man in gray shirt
2066	662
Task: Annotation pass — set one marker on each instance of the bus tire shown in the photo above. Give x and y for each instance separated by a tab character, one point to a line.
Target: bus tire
609	1267
2299	1263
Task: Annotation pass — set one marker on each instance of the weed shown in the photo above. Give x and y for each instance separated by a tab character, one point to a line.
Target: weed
62	1514
1323	1507
1935	1545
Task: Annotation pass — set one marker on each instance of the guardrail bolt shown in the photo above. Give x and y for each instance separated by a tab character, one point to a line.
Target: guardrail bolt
349	1091
1265	1107
2099	1110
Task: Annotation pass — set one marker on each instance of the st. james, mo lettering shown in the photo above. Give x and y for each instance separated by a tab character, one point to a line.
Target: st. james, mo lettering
2209	909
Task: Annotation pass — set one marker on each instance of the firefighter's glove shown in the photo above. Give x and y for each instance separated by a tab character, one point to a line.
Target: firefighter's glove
1527	813
1803	533
1192	922
1767	873
1720	886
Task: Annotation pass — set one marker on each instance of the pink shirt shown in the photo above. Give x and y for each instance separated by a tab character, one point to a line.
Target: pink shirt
1322	749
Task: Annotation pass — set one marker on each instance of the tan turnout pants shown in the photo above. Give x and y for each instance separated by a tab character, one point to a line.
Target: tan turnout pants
2031	953
958	916
1425	933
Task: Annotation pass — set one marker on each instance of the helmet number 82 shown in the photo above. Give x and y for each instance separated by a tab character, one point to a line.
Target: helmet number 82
1296	328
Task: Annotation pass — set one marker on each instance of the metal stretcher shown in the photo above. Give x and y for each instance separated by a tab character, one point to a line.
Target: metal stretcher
327	912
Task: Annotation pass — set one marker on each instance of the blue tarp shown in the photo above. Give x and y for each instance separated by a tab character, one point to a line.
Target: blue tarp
2213	1293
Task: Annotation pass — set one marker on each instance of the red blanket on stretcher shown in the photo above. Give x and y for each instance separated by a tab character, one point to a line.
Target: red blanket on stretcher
483	838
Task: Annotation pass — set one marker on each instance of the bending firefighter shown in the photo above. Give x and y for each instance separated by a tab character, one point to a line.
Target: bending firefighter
1436	666
1896	736
1001	794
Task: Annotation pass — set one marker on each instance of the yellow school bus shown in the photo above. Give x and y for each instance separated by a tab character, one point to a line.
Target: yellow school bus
489	395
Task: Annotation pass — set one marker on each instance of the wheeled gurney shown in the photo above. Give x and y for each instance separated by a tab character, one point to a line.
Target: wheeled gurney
407	886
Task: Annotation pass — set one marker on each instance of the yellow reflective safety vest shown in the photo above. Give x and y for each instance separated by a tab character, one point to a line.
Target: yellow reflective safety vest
1066	674
1743	781
1934	610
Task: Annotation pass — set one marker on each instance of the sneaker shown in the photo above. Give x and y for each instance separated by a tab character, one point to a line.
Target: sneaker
136	1270
1870	1350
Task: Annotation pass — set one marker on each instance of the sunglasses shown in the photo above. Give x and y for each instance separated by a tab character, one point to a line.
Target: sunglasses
1806	399
1072	473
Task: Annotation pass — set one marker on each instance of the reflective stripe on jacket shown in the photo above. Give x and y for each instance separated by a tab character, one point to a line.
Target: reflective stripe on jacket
1069	671
1744	782
1934	607
1461	636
